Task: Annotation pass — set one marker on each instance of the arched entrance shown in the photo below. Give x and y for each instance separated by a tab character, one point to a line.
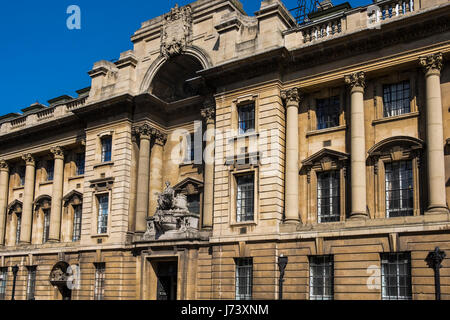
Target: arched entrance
60	278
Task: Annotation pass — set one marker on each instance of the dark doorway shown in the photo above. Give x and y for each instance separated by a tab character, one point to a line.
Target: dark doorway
167	280
66	293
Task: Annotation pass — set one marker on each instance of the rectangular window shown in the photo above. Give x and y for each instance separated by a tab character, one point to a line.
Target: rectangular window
396	99
18	227
244	278
327	112
21	173
246	118
396	276
76	223
79	161
50	168
328	196
399	189
46	230
99	285
193	203
106	149
31	283
103	210
189	155
245	198
321	278
3	279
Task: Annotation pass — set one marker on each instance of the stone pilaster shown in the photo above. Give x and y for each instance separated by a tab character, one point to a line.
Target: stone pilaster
292	100
27	210
156	168
57	194
208	114
142	193
356	82
4	180
432	65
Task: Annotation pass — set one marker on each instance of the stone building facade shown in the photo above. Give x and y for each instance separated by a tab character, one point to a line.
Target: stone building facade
326	143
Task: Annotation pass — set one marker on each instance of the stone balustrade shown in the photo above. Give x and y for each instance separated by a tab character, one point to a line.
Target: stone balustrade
385	10
322	29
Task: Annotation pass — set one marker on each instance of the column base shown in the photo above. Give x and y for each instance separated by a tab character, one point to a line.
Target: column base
206	228
358	215
291	221
437	210
24	243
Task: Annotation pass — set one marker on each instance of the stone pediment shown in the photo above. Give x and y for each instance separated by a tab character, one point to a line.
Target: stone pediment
325	155
188	186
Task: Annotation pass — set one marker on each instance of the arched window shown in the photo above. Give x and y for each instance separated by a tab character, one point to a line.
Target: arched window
42	208
15	218
73	203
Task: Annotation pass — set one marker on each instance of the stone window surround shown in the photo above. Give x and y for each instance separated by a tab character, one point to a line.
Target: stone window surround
232	186
43	202
242	101
94	214
389	150
98	154
14	209
72	199
191	187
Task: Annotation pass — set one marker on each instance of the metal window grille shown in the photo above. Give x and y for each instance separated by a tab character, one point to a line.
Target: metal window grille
3	279
99	285
246	118
245	198
327	112
396	276
76	223
193	203
244	278
31	283
328	196
50	167
321	278
399	189
80	159
396	99
18	227
103	208
46	225
106	149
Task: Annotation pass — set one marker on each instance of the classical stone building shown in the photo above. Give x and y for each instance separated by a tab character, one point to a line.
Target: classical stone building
330	148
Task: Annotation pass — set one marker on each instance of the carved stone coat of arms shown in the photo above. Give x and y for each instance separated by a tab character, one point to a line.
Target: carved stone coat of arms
176	31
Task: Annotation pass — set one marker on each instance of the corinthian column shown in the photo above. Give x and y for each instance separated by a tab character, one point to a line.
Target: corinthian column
432	65
27	210
4	179
144	133
156	168
356	82
208	115
58	183
292	100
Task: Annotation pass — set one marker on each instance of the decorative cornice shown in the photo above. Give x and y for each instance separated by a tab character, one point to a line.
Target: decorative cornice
159	137
58	152
354	80
291	96
4	165
432	62
29	159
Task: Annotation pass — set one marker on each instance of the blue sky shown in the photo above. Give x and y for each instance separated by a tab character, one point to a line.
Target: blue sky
43	59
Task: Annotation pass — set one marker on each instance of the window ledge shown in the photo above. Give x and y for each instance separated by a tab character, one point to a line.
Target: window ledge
243	224
45	183
327	130
244	136
103	235
76	177
103	164
18	188
395	118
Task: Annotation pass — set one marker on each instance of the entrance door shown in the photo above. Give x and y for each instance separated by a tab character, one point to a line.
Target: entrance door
167	280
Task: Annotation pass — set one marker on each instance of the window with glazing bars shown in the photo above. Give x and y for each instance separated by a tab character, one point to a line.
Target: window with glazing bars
245	198
21	173
50	168
321	277
327	112
103	210
193	203
328	197
399	189
31	283
396	276
76	223
244	278
79	161
18	227
396	99
246	118
190	148
99	285
46	225
3	279
106	149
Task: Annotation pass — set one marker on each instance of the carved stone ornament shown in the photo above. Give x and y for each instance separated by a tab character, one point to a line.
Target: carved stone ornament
431	62
357	79
4	165
159	137
291	96
28	158
58	152
144	131
176	31
208	114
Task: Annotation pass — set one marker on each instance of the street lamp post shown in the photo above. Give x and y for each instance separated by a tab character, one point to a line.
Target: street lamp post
434	260
14	269
282	263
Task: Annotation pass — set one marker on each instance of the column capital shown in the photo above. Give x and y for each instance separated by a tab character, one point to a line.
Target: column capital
209	114
4	165
159	137
29	159
144	131
292	96
431	63
356	80
58	152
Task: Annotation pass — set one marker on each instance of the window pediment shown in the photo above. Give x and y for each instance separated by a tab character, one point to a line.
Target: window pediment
325	159
396	148
73	197
189	186
15	207
44	201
